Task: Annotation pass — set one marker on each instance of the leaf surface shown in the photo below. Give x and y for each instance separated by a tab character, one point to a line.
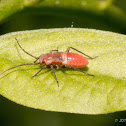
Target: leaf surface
77	92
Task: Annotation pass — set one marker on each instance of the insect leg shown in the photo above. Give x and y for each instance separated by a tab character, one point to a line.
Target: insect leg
79	70
36	60
68	49
57	66
25	51
18	66
54	75
39	71
54	50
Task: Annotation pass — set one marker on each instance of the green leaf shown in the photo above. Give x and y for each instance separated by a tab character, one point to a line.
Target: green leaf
94	5
77	92
99	14
10	7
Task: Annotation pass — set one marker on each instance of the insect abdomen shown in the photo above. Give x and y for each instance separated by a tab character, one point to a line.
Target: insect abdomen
76	60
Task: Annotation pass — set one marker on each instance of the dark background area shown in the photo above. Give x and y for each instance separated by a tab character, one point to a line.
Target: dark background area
12	114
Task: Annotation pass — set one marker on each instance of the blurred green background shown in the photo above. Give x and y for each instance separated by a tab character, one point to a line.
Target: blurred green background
20	15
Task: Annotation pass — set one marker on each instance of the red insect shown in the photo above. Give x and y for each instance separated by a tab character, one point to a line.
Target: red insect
56	59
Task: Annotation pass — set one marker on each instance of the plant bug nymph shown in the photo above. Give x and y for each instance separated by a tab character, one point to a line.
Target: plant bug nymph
54	59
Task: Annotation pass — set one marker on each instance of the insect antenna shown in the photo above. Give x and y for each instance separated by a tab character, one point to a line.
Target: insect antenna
36	60
26	51
19	66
